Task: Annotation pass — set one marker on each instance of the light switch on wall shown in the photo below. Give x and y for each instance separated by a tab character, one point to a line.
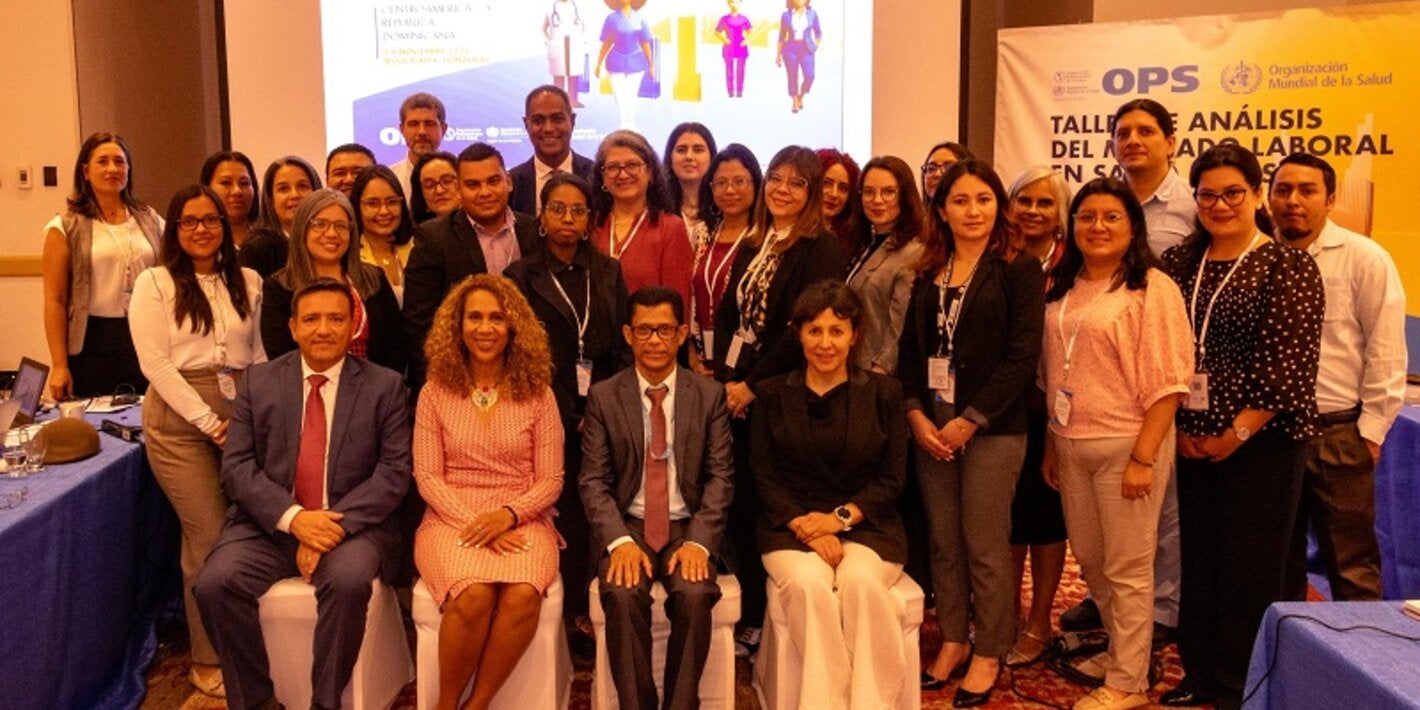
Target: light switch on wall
26	178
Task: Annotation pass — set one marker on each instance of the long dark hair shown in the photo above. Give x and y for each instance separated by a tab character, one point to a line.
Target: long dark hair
269	220
405	230
672	182
82	200
845	225
911	217
1138	258
209	169
1224	155
709	212
938	244
189	302
418	206
658	196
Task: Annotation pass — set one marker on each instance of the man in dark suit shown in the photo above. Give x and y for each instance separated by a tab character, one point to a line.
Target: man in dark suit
483	237
317	457
549	120
657	482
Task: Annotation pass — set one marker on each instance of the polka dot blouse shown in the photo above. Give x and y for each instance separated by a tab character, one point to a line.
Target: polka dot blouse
1264	338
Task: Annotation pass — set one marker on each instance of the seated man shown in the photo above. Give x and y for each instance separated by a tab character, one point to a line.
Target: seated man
317	457
656	483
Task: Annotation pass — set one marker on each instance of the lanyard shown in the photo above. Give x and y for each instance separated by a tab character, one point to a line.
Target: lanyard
219	316
1075	333
582	321
1045	263
1201	339
126	248
862	261
712	276
947	319
611	237
755	265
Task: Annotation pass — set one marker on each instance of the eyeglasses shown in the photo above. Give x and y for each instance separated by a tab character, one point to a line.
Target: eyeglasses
189	224
935	169
631	168
665	331
793	183
373	204
872	193
447	182
560	208
322	225
1232	196
722	184
1089	219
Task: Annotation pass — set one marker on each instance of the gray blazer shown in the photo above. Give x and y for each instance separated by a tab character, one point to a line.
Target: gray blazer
614	446
884	284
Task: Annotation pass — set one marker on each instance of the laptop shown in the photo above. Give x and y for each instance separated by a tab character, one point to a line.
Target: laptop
28	387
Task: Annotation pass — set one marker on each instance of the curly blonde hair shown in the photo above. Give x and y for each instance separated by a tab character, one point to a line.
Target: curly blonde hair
527	362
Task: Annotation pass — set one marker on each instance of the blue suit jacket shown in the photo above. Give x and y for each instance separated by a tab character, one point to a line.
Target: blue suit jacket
368	462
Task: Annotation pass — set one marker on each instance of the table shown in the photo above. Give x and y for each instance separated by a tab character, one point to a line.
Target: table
1315	667
88	565
1398	507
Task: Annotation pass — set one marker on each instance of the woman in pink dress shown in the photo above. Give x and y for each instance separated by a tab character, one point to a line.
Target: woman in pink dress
488	461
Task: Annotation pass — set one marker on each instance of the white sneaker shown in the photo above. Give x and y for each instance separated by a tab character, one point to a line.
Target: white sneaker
1102	699
747	642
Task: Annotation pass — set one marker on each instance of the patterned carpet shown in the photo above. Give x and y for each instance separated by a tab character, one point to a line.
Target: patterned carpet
1031	687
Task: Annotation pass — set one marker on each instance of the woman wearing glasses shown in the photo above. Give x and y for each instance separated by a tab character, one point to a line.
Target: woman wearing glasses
578	294
942	156
970	345
194	325
1117	356
1256	309
635	222
787	250
323	247
727	199
287	182
889	247
383	223
434	186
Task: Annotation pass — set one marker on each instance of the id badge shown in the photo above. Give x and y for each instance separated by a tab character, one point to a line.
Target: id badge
584	377
942	377
227	384
1197	399
732	358
707	339
1064	400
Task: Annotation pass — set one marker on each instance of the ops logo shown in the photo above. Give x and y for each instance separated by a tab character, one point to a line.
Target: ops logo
1179	80
389	135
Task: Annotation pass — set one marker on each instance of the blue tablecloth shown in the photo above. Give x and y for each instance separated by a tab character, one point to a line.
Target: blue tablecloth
1398	507
1312	666
88	563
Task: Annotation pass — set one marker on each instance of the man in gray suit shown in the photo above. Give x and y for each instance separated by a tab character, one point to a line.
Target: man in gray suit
317	457
656	483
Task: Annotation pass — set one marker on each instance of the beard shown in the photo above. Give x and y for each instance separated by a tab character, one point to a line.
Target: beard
1293	234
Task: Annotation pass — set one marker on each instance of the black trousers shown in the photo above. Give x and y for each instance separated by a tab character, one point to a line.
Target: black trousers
1339	504
628	628
1235	524
574	563
238	573
107	360
747	564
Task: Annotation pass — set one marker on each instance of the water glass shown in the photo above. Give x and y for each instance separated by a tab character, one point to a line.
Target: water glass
35	448
15	453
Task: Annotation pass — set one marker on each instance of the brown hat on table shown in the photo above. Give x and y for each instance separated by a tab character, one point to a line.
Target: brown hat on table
68	440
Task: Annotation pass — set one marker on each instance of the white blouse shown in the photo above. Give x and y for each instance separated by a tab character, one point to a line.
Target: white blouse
166	348
120	253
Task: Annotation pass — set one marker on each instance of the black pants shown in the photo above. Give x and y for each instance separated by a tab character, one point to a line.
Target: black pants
744	517
107	360
1339	503
571	523
628	628
1235	524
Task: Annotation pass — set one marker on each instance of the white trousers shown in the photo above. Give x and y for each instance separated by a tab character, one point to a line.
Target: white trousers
1114	540
845	624
624	88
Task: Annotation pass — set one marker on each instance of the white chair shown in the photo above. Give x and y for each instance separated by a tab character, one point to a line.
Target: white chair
288	626
542	679
717	679
778	668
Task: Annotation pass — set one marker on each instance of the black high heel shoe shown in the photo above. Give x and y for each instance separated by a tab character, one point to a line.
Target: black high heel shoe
966	699
933	683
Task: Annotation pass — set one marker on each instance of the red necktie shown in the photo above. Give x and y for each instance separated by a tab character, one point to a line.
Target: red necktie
310	458
657	513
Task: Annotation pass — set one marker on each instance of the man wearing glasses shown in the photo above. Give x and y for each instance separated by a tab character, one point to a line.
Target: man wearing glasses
549	120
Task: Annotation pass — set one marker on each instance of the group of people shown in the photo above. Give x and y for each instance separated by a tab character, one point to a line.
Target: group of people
639	370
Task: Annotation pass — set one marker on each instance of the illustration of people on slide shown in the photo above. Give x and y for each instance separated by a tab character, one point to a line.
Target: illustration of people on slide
733	29
566	53
626	56
799	37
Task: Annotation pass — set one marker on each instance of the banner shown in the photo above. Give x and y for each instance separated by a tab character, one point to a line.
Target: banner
1342	83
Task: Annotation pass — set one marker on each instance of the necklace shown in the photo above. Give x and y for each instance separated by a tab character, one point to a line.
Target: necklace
485	397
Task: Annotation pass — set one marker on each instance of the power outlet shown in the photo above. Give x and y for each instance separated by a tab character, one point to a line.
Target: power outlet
26	178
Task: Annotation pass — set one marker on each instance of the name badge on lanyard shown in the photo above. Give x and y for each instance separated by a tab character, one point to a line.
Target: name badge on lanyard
227	384
584	377
942	378
737	344
1197	399
1064	400
707	338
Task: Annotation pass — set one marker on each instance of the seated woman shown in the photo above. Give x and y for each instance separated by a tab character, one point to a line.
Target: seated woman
488	461
322	229
828	454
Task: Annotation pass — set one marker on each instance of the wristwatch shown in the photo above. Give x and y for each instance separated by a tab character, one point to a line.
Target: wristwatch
1242	433
844	516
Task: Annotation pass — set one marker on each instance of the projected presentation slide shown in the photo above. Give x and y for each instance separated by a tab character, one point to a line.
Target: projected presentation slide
641	64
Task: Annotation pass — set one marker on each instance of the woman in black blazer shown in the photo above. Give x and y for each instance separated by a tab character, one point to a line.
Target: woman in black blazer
322	247
789	248
580	297
829	459
969	347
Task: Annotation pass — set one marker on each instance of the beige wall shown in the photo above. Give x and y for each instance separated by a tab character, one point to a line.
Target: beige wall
917	82
276	99
1122	10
